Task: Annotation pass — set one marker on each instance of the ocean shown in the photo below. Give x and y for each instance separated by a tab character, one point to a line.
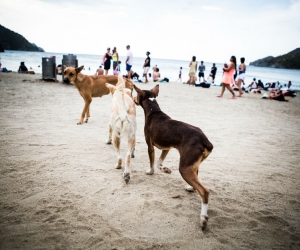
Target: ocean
168	67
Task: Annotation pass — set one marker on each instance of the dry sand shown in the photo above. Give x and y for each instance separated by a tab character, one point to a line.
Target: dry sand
60	190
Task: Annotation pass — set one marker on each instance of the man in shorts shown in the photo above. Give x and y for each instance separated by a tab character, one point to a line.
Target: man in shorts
146	66
201	71
129	61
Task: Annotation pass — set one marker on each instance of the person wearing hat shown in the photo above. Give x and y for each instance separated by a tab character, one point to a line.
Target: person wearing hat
106	61
146	66
201	71
129	61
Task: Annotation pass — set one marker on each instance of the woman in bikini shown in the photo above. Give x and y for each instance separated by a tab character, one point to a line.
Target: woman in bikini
227	78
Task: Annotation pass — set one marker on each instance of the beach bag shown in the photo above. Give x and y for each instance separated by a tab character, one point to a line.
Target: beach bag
117	71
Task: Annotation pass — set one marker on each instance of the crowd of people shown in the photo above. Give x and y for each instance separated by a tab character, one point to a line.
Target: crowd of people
232	79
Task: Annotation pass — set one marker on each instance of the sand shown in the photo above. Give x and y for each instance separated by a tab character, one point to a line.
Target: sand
60	190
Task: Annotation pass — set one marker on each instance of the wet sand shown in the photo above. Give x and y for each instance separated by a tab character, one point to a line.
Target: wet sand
60	190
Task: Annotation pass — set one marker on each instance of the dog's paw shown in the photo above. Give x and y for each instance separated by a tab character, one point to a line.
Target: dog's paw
203	221
166	170
119	164
126	177
189	188
150	172
79	123
132	155
108	141
86	121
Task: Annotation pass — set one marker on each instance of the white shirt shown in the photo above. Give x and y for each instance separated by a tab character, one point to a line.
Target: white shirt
129	54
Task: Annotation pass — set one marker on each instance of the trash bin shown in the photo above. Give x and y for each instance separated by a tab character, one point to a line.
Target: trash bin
49	68
69	61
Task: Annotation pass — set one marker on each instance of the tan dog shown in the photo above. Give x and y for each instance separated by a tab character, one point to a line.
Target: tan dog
90	86
122	122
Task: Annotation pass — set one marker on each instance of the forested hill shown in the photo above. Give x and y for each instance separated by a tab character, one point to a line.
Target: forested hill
290	60
10	40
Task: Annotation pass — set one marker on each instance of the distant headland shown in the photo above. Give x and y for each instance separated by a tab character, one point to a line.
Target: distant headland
10	40
290	60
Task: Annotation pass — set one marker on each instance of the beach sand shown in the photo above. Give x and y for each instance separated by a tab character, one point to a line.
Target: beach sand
60	190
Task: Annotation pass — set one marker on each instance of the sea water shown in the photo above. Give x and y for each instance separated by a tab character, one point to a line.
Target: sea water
167	67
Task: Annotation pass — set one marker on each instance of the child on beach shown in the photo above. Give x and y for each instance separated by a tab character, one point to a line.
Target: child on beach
117	70
180	73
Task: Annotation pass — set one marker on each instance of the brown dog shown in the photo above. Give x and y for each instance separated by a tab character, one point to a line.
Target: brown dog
165	133
90	86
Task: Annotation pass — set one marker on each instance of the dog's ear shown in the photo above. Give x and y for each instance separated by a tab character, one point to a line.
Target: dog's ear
137	90
79	69
111	87
155	90
64	66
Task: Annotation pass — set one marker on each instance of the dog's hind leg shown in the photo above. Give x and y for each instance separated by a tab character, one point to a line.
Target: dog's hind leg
109	134
131	144
151	154
116	142
86	106
161	160
189	174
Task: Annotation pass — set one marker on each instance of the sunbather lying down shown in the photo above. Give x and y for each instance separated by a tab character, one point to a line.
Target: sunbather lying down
275	95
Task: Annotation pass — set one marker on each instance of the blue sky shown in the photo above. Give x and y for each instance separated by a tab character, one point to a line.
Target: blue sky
210	30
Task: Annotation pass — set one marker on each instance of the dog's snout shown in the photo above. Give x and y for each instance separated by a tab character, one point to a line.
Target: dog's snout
66	80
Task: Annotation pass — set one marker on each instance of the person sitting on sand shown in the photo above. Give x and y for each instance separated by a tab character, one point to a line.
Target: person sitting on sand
253	84
260	87
99	71
23	68
156	75
4	69
59	69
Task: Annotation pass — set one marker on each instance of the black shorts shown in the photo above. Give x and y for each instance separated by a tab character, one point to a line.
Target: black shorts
201	74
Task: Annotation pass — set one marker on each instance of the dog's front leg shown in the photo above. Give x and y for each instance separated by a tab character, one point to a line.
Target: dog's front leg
86	105
151	154
161	160
109	134
87	114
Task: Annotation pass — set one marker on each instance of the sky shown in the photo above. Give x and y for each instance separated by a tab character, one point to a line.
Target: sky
212	31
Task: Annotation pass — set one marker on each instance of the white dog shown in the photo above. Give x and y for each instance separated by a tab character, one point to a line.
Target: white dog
122	122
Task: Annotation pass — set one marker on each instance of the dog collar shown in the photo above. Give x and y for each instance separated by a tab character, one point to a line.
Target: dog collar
151	99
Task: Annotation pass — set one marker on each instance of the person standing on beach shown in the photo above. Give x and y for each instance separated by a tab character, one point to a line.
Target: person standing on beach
106	61
115	57
201	71
146	66
180	74
213	72
192	73
241	77
129	61
227	77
